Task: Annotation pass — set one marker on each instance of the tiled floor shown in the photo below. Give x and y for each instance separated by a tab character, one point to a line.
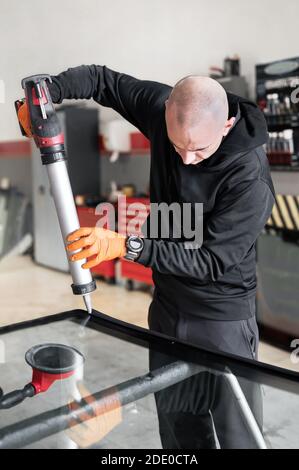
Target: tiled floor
30	291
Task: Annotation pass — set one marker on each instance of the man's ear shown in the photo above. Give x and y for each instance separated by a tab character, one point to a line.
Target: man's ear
166	103
228	125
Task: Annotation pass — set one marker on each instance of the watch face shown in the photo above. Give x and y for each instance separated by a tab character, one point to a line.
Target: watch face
135	244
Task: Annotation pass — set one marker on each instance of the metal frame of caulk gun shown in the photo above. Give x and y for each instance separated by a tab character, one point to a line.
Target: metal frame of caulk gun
49	139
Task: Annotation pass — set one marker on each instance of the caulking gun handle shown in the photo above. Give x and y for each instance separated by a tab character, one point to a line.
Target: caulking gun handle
17	396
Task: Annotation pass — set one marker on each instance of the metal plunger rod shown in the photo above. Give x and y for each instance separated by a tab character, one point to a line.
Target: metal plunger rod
68	220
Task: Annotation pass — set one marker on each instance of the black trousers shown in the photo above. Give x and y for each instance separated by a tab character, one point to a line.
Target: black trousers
201	410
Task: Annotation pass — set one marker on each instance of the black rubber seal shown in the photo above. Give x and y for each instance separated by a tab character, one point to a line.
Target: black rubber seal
49	158
54	358
82	289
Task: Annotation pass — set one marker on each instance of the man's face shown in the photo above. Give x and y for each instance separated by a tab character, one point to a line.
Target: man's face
195	144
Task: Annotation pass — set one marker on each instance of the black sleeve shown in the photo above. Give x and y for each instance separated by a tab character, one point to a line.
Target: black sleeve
136	100
237	220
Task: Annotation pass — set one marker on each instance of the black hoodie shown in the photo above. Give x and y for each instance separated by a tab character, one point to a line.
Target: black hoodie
216	281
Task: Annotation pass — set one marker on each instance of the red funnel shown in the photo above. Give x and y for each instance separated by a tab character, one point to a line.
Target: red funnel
49	362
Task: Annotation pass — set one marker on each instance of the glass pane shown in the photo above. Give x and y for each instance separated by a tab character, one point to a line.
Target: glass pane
174	395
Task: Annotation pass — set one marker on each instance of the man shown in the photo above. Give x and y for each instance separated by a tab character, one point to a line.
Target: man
206	147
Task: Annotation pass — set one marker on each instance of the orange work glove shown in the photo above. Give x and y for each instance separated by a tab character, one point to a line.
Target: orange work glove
96	244
93	426
23	117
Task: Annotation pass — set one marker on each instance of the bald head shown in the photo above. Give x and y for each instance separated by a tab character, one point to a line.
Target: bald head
197	118
195	99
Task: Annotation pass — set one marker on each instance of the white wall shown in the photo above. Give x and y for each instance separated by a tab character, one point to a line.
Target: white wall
154	39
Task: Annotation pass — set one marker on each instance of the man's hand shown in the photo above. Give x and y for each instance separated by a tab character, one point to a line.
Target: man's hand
24	119
96	244
93	426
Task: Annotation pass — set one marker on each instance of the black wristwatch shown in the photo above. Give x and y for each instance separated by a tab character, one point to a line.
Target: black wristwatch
134	246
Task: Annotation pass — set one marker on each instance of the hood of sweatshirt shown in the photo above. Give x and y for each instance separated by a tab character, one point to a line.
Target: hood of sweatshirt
249	132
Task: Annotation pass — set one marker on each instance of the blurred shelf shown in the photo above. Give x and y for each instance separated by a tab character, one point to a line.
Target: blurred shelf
284	168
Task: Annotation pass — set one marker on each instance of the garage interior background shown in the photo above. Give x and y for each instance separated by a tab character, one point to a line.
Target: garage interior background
157	40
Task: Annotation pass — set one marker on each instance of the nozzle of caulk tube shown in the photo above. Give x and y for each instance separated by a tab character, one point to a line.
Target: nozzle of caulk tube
88	304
